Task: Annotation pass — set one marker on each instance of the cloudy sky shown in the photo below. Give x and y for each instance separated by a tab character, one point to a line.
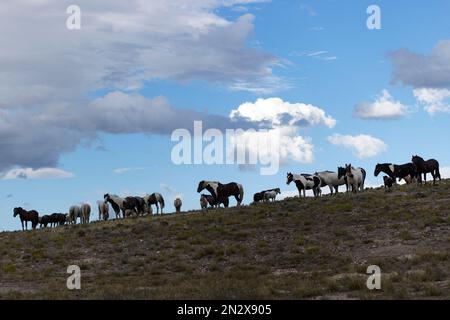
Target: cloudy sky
89	111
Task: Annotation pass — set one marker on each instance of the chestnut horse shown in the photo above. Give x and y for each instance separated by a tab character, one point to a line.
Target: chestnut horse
26	216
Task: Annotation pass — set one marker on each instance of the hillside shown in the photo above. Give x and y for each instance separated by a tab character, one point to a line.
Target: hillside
297	248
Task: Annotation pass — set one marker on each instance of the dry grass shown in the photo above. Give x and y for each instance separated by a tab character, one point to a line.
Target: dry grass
294	249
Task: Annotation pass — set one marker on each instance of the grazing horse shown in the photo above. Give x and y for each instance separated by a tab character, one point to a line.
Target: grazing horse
305	182
44	221
271	195
395	171
259	196
57	219
74	213
215	203
116	203
332	180
424	167
356	177
26	216
85	213
155	199
388	182
134	205
177	204
220	191
103	210
203	202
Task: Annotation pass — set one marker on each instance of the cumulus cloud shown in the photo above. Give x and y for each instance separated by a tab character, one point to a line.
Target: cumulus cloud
363	146
433	100
383	108
423	71
49	72
277	113
42	173
283	122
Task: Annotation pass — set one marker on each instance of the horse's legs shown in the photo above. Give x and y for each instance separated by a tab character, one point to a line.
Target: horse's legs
331	189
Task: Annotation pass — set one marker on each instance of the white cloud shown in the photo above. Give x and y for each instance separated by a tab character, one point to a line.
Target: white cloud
124	170
283	121
384	107
42	173
277	113
364	146
433	100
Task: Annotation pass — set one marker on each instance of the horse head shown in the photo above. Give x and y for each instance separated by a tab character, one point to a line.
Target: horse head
377	170
341	172
289	178
201	186
348	170
17	211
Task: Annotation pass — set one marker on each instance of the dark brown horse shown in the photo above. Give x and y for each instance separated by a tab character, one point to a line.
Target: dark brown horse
424	167
26	216
220	191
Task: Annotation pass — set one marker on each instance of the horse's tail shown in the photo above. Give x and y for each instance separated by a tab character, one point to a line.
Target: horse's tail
160	200
241	193
438	174
364	175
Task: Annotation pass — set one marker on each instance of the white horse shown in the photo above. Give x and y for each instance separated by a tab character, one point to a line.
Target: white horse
177	204
116	203
271	195
154	198
103	210
85	213
356	178
332	180
74	213
305	182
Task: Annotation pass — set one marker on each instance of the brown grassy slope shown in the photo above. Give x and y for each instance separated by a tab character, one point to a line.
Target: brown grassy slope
298	248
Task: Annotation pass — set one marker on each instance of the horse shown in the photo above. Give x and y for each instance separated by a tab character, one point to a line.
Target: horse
85	213
203	202
155	199
57	219
26	216
271	195
215	203
177	204
332	180
259	196
134	205
220	191
388	182
305	182
116	203
424	167
355	178
74	213
103	210
395	171
44	221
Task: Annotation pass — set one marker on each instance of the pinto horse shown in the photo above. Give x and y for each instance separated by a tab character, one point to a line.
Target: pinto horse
424	167
26	216
305	182
356	177
155	199
220	191
395	171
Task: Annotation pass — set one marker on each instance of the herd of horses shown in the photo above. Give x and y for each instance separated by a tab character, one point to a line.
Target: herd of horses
350	177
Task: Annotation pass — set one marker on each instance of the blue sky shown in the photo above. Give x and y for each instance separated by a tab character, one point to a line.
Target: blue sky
303	52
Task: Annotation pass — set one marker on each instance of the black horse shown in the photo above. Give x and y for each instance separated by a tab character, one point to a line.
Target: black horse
216	203
424	167
395	171
134	204
26	216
